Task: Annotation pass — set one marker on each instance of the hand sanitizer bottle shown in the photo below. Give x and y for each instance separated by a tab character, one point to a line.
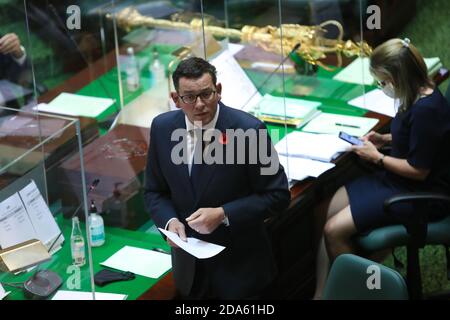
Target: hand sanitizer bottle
132	70
96	227
157	69
77	244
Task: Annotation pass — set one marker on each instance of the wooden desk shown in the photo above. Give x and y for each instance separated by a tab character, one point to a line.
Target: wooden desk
291	231
118	160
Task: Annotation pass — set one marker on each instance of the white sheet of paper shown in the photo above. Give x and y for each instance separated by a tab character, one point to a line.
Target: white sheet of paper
322	147
356	72
3	293
15	225
40	215
198	248
140	261
334	123
376	101
77	105
300	168
238	90
359	72
235	47
83	295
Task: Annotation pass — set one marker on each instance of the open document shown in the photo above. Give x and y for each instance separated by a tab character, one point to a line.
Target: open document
25	216
334	123
198	248
321	147
376	101
144	262
83	295
301	168
238	89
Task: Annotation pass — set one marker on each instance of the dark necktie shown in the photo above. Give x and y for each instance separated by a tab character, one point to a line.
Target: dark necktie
197	161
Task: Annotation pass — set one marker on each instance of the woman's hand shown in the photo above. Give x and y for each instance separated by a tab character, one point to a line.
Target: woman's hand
367	151
378	140
10	44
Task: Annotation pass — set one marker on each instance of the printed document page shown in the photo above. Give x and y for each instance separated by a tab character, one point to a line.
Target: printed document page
198	248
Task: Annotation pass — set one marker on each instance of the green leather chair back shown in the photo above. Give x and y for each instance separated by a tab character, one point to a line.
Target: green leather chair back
355	278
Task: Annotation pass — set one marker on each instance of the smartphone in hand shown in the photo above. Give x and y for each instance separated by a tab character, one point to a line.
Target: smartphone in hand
350	139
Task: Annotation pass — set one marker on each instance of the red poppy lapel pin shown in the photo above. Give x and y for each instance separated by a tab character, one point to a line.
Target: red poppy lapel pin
223	138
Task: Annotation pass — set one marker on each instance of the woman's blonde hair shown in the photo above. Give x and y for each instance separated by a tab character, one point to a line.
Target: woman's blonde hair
400	62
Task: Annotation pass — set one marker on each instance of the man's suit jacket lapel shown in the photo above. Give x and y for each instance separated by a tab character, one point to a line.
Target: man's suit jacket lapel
208	171
181	170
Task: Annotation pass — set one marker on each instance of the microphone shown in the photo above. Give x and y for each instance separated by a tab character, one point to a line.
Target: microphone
44	282
295	48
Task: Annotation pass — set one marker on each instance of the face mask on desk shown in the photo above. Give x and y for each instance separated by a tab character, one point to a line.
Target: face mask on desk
388	90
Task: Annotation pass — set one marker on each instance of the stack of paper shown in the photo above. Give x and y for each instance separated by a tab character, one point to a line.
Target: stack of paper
334	123
83	295
301	168
321	147
358	71
144	262
78	105
376	101
296	112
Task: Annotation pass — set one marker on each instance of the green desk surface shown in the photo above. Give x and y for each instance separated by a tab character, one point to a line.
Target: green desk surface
115	239
333	94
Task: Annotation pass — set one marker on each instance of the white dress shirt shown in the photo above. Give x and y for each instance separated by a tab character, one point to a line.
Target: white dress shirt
191	139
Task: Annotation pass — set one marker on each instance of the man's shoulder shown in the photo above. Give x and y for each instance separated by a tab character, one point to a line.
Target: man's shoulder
241	118
166	118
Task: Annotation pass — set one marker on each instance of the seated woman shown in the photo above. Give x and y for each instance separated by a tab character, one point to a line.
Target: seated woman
418	153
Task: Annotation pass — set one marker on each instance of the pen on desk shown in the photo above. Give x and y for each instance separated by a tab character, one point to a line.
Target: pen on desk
160	250
347	125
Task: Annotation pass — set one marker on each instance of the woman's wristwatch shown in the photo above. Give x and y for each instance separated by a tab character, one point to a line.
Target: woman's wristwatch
380	162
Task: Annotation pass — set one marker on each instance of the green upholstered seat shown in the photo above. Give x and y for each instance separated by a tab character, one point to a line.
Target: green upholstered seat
396	236
350	275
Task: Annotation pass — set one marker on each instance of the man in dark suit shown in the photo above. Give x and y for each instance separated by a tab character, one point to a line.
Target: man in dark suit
225	202
14	70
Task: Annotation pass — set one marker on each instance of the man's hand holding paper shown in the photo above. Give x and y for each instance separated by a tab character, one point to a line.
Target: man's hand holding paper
198	248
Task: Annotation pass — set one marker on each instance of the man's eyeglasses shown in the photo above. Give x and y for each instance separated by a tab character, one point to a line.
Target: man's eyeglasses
381	84
192	98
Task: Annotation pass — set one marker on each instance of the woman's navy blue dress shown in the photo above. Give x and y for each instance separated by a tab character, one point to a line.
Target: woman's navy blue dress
417	136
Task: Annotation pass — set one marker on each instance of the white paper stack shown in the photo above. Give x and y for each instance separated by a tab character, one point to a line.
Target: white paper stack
321	147
147	263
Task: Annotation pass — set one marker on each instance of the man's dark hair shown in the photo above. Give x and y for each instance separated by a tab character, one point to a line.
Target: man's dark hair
193	68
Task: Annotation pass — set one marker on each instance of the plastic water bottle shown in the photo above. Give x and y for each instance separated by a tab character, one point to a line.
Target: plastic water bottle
77	244
157	69
96	227
132	70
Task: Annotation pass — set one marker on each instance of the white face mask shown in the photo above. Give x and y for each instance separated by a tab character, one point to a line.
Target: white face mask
388	90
